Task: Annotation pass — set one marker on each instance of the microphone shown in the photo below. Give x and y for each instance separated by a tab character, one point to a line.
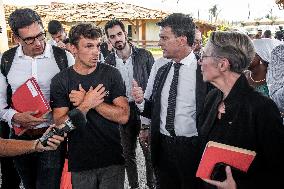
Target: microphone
76	119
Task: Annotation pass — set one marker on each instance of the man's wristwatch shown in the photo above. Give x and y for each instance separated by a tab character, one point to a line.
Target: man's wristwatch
144	127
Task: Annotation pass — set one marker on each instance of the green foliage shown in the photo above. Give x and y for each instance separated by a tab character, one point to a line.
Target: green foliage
155	50
222	27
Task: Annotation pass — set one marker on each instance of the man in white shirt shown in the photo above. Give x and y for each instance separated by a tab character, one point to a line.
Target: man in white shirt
32	58
134	64
176	94
57	33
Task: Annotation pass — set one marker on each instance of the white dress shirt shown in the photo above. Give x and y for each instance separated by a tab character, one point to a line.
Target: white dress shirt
126	71
42	68
52	42
185	114
148	91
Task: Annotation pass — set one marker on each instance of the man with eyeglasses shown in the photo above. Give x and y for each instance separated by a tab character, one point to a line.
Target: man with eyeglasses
197	45
32	58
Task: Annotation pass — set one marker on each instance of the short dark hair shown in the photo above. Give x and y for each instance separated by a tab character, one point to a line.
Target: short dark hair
267	34
86	30
54	26
66	41
112	23
279	35
21	18
181	25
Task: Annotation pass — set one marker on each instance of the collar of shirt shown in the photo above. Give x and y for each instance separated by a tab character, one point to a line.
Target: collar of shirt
189	60
117	57
46	53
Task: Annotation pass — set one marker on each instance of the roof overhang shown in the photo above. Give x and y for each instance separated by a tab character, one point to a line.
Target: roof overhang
280	4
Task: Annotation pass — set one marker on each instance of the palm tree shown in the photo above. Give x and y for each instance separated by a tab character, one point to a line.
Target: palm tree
214	12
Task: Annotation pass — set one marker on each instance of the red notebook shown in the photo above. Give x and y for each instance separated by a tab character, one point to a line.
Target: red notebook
28	97
216	152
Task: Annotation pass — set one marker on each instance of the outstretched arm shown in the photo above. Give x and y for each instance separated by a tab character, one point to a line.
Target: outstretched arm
11	147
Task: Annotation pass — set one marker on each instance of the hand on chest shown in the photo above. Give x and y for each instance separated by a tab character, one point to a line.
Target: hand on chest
79	89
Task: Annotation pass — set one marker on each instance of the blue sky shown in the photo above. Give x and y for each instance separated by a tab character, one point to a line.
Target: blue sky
232	10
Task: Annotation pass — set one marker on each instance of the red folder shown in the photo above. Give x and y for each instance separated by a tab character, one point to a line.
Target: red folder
28	97
216	152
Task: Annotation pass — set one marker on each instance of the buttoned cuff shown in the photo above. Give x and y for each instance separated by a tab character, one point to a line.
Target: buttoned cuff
9	116
140	106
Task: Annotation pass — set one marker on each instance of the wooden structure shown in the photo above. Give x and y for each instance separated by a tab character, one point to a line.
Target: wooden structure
140	22
280	3
137	19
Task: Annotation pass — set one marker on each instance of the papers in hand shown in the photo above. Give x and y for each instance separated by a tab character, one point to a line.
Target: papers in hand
28	97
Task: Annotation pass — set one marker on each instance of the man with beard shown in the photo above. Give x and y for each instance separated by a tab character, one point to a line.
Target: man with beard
134	64
32	58
57	33
96	89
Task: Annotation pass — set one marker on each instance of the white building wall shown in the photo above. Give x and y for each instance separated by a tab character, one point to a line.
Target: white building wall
3	35
152	31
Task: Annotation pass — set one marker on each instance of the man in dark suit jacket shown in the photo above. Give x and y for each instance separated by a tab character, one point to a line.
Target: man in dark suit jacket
174	98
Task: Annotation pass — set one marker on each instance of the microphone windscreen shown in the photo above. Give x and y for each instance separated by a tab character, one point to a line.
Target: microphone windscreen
77	117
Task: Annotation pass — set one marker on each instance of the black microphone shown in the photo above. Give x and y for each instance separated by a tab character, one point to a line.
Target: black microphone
76	119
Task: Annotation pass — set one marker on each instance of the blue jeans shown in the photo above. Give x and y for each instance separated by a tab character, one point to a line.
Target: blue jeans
40	170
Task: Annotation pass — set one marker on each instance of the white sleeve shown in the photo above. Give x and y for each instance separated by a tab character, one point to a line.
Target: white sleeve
148	91
70	58
5	114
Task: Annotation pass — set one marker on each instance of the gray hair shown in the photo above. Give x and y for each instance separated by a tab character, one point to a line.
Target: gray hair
234	46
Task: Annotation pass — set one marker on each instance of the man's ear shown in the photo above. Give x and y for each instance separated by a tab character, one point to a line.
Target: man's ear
16	38
73	49
182	40
126	34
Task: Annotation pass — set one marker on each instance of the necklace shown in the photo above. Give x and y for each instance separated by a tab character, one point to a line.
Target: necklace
256	81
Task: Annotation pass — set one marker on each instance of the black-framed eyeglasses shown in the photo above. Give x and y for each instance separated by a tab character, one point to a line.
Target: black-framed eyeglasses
30	40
